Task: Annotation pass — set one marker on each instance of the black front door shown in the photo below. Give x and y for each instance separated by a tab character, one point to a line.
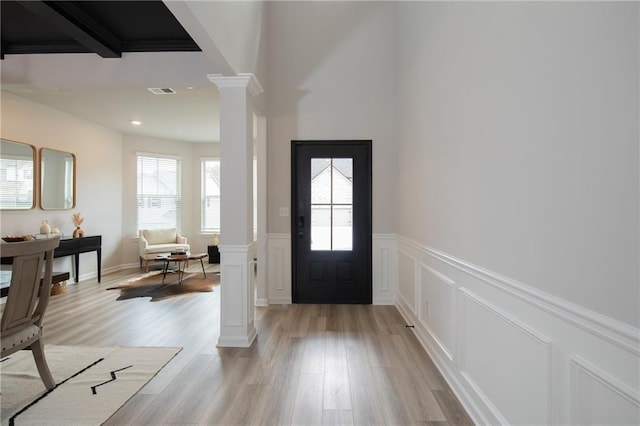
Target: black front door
331	221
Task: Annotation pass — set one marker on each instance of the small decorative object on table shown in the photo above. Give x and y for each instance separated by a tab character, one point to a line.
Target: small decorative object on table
45	228
77	220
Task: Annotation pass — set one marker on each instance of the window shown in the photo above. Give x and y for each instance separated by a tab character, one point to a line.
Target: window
210	213
255	199
210	204
158	191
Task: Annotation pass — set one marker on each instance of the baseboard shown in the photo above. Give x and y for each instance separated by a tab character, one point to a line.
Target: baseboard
262	303
446	369
382	301
280	301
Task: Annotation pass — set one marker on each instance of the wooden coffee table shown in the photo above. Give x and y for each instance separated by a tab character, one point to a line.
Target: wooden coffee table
178	258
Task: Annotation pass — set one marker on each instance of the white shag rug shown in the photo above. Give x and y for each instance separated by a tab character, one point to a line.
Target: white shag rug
92	383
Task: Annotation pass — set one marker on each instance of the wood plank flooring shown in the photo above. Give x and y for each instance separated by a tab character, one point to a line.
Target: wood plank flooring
310	365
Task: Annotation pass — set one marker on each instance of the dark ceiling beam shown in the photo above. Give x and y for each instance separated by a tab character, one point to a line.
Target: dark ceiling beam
77	24
42	47
160	46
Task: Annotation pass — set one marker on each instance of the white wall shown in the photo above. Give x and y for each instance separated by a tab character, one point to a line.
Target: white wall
230	33
519	148
331	76
98	153
518	210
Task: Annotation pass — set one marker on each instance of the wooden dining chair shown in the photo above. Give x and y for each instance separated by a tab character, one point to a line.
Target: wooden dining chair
29	291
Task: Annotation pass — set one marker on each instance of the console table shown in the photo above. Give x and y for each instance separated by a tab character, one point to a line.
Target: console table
75	246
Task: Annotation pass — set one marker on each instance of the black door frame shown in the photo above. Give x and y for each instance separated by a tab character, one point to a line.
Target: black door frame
369	209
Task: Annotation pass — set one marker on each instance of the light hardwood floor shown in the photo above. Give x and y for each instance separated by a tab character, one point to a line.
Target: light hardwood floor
310	365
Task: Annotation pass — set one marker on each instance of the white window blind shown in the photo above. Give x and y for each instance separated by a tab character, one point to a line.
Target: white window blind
210	213
158	192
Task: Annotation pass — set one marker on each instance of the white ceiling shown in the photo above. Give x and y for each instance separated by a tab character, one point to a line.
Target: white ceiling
112	92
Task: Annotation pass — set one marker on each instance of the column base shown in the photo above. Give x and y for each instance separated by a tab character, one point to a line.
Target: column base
237	341
236	296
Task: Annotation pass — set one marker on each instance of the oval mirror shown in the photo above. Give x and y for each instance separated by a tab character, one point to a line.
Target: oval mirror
57	179
17	184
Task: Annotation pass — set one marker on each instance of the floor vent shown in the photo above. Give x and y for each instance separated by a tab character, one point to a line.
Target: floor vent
162	90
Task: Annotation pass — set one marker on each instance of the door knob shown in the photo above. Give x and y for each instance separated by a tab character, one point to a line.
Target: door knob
300	235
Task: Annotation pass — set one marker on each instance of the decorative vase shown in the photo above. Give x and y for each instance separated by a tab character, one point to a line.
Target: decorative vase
45	228
78	232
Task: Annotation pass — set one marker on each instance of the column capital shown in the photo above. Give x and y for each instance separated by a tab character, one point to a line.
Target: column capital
246	80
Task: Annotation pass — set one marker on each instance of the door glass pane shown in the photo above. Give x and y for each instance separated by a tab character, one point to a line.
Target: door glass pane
320	180
342	234
342	181
331	204
321	227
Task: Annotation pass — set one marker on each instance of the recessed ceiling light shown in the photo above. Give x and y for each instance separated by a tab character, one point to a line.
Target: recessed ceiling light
136	122
190	87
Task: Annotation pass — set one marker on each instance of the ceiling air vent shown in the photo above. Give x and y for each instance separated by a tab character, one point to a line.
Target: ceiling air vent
162	90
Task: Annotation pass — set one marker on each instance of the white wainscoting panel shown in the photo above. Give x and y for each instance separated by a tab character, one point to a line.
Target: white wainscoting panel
512	353
279	268
599	399
407	281
437	308
233	313
498	353
384	269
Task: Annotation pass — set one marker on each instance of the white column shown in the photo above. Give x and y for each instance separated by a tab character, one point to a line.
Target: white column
237	248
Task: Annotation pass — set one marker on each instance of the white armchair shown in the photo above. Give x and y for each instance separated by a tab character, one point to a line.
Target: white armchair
154	242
